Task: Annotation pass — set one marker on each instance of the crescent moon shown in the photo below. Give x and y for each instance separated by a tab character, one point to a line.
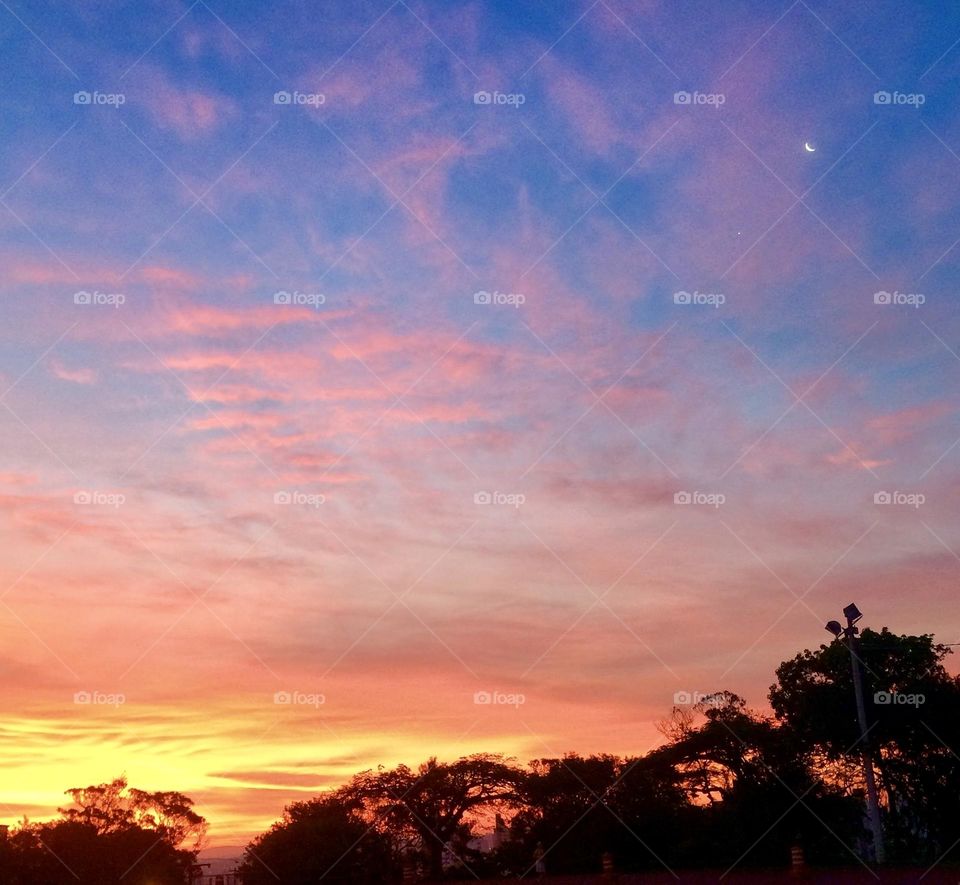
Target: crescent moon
809	148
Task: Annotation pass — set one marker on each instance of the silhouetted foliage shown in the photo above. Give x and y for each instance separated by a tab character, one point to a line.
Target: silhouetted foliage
759	792
911	740
577	808
730	787
425	810
324	839
113	807
112	836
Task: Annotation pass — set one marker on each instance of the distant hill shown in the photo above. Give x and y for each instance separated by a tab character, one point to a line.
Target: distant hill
222	859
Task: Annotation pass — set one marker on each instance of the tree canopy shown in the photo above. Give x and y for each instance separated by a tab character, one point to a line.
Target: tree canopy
323	839
913	726
425	809
730	786
110	835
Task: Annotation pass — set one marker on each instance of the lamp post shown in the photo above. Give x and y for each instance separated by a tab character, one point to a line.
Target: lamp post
850	632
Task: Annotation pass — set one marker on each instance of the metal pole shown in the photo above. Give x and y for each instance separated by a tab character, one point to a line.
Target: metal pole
873	806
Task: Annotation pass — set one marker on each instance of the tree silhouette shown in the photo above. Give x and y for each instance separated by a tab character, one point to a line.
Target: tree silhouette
426	809
760	792
324	839
912	704
110	836
728	787
112	807
579	807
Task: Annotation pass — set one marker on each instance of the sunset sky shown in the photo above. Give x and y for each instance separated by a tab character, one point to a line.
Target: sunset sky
389	394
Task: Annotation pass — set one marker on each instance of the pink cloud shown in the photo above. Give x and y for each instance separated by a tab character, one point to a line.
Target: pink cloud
585	106
17	479
75	376
196	318
189	112
160	275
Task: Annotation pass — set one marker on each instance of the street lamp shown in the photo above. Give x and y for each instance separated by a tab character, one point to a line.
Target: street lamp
850	632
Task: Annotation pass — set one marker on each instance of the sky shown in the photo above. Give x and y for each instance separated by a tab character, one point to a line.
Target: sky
385	380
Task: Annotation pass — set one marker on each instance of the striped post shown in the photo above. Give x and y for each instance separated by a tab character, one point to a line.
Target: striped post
796	861
606	859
